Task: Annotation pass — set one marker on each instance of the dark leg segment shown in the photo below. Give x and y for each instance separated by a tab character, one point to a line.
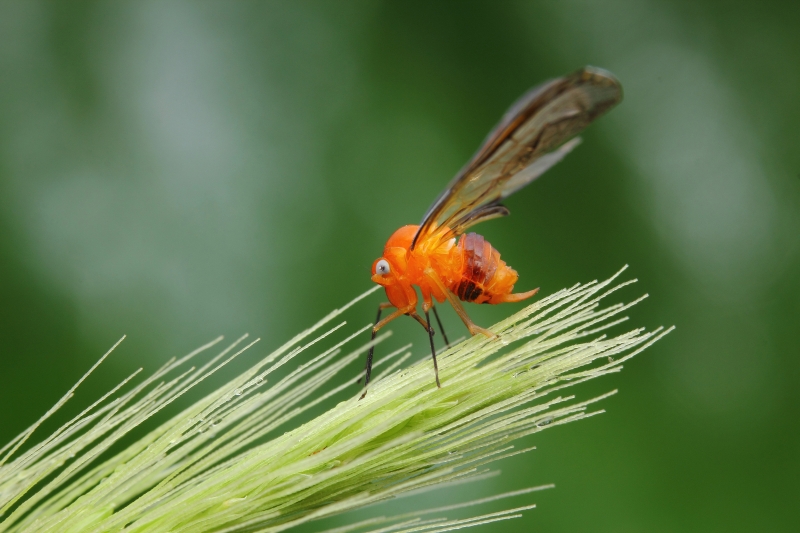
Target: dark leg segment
427	326
441	328
433	350
368	369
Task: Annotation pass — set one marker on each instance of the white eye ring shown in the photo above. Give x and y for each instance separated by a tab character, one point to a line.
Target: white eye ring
382	267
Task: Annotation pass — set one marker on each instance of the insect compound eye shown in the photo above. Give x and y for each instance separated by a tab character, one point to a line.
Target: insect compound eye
382	267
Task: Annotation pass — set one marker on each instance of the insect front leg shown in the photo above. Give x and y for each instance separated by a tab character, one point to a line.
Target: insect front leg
368	367
378	325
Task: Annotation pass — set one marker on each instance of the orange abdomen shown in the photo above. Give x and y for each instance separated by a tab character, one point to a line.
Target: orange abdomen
483	276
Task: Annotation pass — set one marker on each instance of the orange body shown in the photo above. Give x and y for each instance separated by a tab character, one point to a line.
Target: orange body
471	269
534	134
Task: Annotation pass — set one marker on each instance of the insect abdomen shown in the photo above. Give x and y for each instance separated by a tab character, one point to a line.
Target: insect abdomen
484	277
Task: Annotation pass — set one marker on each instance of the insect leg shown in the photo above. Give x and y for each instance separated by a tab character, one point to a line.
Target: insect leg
418	318
462	313
368	367
441	328
473	328
378	325
433	350
429	329
395	314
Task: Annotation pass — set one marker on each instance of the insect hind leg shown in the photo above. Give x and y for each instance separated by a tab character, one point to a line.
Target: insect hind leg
473	328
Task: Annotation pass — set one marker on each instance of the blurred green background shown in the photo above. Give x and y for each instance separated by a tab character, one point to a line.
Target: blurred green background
178	170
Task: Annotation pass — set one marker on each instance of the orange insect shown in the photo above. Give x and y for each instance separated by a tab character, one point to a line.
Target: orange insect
532	136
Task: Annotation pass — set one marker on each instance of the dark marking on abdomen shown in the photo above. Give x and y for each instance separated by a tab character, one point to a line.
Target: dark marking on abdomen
468	291
478	267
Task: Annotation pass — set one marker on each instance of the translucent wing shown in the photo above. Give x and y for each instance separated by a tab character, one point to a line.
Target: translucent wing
530	138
